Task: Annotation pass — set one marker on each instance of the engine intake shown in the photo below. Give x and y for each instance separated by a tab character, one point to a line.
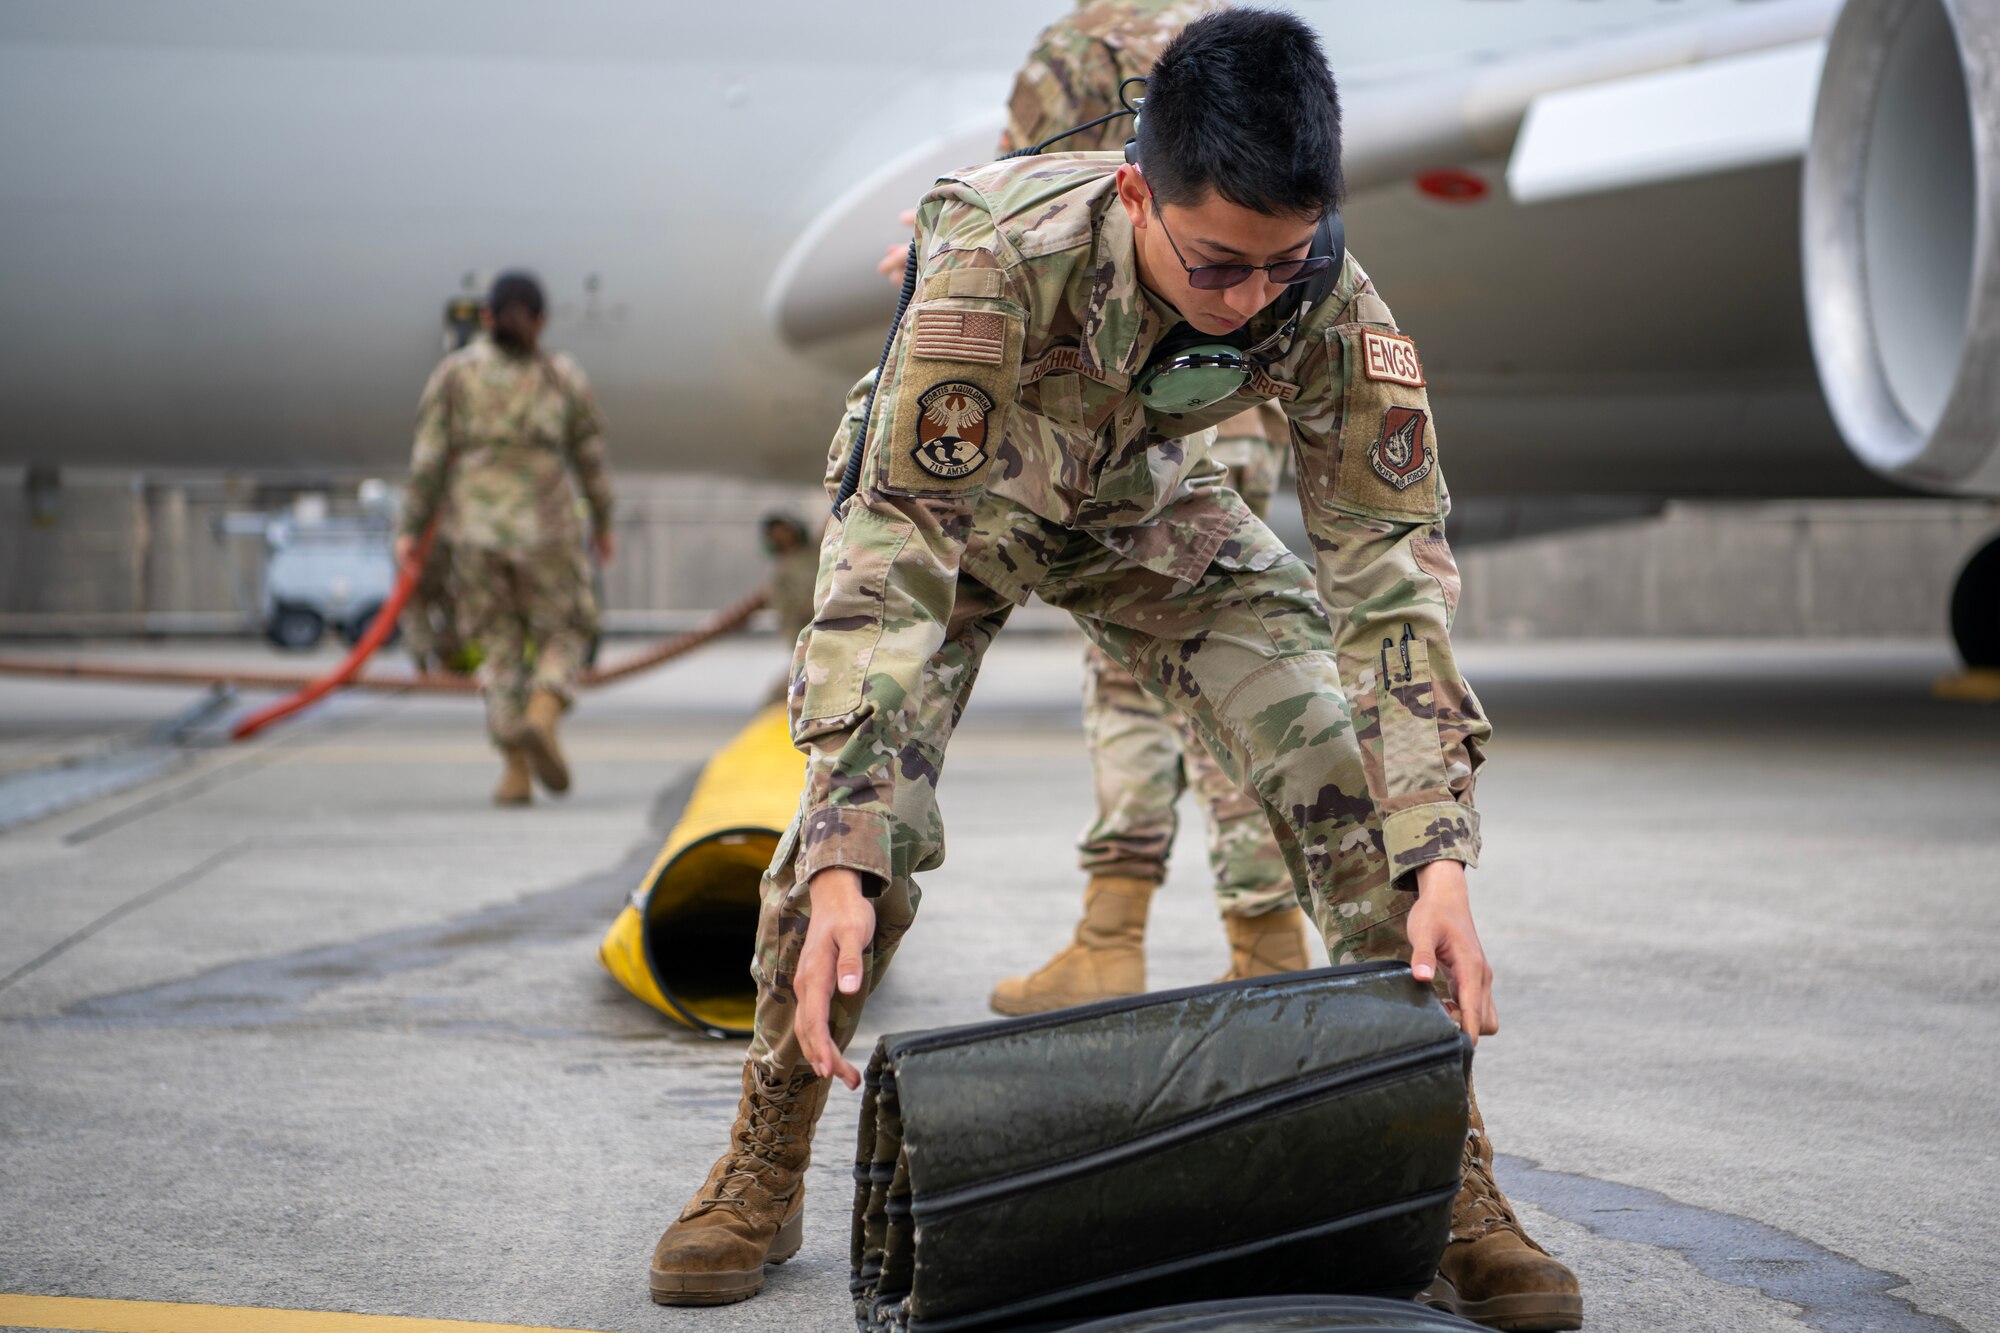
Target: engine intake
1901	220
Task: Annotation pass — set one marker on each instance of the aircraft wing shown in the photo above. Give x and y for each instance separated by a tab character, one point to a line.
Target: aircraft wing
1601	247
1644	256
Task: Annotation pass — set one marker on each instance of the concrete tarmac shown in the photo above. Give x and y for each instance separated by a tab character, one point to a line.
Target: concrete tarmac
307	1024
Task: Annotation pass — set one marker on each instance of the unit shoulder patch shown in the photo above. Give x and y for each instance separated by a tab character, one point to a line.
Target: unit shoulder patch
1390	358
951	429
1398	454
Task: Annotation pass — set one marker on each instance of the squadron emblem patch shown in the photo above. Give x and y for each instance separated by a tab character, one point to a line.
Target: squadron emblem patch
951	429
1398	453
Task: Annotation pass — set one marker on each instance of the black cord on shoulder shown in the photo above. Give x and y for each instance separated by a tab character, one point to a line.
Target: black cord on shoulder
1034	148
1129	108
850	478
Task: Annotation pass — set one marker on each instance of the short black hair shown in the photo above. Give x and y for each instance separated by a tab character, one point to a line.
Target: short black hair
515	287
1242	103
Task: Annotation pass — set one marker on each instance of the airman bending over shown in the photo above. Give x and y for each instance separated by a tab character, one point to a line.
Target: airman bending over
1142	754
1020	438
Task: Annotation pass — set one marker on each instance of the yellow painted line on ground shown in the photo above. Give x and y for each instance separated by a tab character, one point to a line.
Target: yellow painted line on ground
1978	686
95	1316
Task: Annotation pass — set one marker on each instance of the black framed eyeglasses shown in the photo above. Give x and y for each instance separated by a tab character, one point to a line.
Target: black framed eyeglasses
1217	277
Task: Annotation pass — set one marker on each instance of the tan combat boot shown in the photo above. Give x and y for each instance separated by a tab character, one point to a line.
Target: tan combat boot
1106	960
751	1209
538	741
1492	1272
514	788
1260	946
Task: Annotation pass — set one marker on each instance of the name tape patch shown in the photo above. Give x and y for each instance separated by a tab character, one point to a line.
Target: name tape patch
960	335
1391	358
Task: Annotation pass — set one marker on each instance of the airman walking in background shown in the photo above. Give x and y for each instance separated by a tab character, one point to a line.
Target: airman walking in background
1142	754
507	434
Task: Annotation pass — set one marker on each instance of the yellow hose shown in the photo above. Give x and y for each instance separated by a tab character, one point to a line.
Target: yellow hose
683	944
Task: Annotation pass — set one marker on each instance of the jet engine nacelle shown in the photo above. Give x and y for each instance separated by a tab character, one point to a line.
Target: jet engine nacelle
1901	224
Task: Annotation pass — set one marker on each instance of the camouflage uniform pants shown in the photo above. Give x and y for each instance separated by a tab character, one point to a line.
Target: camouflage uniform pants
509	599
1143	755
1246	654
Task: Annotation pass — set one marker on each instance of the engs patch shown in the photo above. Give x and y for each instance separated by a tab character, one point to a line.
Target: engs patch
1398	453
951	429
1390	358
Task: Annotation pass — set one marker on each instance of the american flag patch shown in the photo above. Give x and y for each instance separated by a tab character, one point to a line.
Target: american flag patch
958	335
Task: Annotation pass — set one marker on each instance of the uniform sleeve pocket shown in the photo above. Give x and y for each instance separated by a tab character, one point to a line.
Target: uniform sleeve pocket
845	630
1412	757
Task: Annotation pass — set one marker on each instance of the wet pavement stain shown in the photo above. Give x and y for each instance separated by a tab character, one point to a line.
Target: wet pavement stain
1834	1293
259	992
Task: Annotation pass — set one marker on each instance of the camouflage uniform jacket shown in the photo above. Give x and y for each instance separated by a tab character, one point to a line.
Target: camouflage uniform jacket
1253	444
1078	63
1010	379
501	436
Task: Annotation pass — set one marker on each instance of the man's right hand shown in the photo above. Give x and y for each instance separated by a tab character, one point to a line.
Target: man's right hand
838	934
406	547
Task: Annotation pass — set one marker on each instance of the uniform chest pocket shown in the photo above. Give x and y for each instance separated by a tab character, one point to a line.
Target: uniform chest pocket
1059	396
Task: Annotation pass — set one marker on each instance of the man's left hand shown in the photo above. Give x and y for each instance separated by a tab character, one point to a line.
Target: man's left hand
406	547
1441	931
603	546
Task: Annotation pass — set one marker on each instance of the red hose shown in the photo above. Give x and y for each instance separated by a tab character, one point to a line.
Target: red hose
347	674
379	630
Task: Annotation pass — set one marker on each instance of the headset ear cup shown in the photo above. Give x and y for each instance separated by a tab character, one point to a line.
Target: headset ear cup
1132	144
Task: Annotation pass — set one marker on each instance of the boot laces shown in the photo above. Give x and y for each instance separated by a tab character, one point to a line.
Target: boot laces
1481	1207
753	1156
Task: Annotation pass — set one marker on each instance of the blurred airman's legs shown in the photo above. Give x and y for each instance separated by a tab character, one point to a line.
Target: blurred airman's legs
508	601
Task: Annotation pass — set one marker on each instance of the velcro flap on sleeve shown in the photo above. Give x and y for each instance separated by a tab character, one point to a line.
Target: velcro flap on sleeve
1372	309
955	382
983	283
1388	441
